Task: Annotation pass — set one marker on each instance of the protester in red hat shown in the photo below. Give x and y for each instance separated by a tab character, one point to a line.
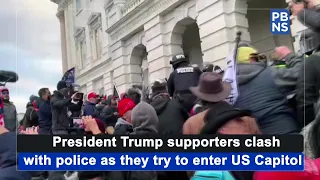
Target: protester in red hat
89	108
124	108
123	125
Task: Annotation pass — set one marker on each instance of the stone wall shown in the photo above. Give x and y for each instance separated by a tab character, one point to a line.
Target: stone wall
159	26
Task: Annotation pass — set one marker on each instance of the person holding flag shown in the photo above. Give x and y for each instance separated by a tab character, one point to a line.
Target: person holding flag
8	112
259	93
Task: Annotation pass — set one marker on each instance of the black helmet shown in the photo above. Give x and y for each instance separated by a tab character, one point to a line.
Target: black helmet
208	68
217	69
177	59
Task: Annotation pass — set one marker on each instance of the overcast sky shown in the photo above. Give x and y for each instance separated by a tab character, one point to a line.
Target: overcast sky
30	46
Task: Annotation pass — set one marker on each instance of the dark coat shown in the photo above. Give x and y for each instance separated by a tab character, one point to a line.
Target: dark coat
89	109
260	94
122	127
109	115
308	89
171	115
8	159
75	109
59	109
30	117
45	117
311	19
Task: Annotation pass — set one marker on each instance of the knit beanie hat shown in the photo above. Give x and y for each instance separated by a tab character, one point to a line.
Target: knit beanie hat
125	105
61	85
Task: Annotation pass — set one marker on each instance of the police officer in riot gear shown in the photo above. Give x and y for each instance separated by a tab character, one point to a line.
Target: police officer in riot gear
181	79
207	68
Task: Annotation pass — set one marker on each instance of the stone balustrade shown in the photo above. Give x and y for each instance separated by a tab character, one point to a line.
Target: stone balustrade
131	5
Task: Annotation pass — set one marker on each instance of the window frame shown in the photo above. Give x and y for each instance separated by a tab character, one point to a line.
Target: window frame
78	4
96	35
81	52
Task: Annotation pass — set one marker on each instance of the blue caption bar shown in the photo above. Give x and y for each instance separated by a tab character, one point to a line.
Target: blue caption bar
161	161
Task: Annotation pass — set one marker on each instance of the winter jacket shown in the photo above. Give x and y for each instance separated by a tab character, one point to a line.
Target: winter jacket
308	131
122	127
286	78
89	109
109	115
99	109
308	89
144	122
144	119
260	94
311	19
75	108
59	109
194	124
10	116
31	117
171	115
8	159
45	117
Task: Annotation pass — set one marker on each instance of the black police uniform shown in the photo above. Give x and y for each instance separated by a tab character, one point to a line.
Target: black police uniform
181	79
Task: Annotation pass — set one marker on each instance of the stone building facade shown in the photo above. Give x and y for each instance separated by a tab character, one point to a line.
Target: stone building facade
128	42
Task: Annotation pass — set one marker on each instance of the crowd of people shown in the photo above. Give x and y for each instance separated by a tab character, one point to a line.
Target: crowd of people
281	98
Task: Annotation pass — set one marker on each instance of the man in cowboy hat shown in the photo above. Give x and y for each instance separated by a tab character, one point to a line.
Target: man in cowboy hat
211	90
181	79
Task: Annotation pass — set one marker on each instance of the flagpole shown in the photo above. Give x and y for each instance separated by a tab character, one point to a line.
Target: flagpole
115	86
237	41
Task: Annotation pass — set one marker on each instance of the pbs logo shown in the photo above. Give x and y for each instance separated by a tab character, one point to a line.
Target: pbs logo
280	21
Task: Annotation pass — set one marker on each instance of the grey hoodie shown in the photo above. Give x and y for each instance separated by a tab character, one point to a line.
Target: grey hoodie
10	116
122	121
260	94
144	119
284	78
246	72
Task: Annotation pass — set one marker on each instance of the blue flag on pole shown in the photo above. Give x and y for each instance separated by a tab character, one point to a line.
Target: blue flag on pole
69	76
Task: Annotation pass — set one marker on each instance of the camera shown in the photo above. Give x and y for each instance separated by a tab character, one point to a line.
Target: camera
76	126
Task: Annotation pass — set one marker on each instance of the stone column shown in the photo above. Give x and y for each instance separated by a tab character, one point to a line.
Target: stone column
61	18
218	23
158	50
120	66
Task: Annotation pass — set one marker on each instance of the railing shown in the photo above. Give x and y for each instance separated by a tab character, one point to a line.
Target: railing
131	5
